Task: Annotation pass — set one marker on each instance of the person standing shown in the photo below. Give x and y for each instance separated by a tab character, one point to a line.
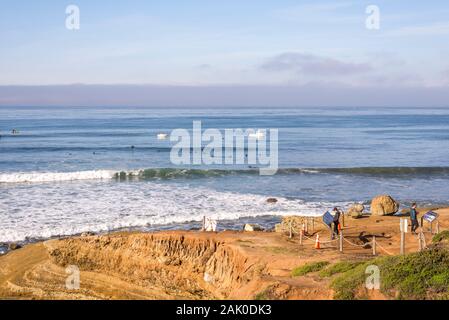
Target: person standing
414	218
336	213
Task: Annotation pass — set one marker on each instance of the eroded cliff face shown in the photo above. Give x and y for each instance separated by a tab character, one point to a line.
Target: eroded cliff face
164	265
185	266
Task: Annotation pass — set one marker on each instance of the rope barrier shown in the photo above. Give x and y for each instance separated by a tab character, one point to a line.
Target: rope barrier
421	237
328	241
442	224
385	250
357	245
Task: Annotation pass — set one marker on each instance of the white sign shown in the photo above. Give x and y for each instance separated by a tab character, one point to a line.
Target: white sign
210	224
403	225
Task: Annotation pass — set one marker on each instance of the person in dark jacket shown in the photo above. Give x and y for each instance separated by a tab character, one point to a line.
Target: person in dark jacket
414	218
336	213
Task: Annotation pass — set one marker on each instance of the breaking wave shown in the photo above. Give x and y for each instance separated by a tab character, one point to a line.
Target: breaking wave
173	173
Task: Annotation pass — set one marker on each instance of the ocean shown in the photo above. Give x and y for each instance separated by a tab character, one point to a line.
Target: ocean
78	169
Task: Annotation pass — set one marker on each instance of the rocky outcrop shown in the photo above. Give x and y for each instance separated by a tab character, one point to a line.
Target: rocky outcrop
14	246
294	224
185	266
384	205
252	227
356	211
272	200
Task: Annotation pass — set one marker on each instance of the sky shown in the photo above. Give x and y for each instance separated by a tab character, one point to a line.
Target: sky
260	52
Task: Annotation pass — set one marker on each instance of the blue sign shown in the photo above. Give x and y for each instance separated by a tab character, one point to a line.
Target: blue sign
430	216
328	218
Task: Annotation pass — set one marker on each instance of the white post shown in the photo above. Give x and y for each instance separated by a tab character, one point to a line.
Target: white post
341	241
402	242
403	223
290	226
374	245
420	241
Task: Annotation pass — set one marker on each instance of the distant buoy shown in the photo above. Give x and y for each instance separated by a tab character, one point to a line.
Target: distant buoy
162	136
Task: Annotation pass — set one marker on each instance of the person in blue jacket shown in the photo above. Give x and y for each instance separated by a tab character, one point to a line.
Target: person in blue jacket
414	218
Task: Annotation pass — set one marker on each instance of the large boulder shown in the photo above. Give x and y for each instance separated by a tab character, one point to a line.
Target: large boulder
252	227
14	246
356	211
384	205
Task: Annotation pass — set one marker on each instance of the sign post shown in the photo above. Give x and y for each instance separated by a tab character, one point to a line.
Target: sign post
403	224
341	240
290	230
429	217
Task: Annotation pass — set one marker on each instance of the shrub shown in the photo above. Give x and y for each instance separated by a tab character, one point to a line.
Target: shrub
338	267
413	276
444	235
308	268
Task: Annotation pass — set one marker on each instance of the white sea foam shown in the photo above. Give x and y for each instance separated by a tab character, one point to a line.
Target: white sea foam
46	210
20	177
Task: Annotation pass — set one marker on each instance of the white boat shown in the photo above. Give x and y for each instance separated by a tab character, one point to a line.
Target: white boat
257	135
162	136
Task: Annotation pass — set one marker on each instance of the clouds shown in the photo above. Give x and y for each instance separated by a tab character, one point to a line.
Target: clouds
310	64
434	29
309	95
321	12
231	42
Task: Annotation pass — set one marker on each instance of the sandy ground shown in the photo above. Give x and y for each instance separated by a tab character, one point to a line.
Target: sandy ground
194	265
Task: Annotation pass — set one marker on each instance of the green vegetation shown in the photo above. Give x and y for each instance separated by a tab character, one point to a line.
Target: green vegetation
308	268
338	267
266	294
261	296
444	235
415	276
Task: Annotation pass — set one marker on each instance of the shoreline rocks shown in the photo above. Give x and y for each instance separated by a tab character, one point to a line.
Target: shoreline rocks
356	211
252	227
384	205
14	246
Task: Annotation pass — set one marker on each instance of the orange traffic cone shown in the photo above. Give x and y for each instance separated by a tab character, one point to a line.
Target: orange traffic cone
317	242
339	227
